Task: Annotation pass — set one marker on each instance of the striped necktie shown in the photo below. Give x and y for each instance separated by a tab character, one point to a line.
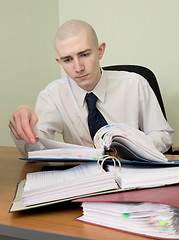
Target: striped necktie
95	118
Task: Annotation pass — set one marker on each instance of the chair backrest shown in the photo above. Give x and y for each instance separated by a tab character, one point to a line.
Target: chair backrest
147	74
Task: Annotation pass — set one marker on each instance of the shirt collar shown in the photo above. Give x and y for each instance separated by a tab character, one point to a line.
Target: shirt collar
99	90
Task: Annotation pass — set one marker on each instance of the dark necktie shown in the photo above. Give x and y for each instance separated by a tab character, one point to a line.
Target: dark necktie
95	118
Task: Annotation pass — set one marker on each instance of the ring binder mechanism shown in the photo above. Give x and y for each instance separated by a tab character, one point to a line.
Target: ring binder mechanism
108	157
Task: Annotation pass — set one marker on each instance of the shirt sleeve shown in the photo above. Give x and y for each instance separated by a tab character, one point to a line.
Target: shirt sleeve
152	120
49	115
49	122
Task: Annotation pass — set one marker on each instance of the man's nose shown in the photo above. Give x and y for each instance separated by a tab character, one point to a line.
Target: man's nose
79	66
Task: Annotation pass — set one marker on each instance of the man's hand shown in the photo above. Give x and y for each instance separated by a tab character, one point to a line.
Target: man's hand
22	123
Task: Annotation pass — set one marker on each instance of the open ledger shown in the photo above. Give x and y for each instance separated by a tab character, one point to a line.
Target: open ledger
49	187
148	219
125	142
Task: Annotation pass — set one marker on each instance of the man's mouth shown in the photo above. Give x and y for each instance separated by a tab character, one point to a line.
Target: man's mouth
82	77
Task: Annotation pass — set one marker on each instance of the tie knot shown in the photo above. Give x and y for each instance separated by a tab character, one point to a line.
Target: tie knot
91	100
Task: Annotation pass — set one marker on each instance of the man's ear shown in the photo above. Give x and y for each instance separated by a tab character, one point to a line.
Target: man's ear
101	49
58	59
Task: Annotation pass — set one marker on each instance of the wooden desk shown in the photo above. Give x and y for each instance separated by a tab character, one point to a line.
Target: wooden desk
52	222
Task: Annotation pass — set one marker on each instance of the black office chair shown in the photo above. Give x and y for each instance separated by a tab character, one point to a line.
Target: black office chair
150	77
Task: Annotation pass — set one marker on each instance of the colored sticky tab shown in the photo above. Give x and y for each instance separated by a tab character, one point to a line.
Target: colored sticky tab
125	215
107	125
151	222
93	157
162	223
124	134
79	155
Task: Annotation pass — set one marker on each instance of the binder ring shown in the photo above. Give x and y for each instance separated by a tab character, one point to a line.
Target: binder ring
104	158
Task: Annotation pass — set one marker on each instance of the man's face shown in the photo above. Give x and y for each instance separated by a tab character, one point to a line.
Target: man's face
79	57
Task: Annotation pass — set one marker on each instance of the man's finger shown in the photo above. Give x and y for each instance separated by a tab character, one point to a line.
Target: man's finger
33	122
18	134
26	128
22	126
22	123
13	131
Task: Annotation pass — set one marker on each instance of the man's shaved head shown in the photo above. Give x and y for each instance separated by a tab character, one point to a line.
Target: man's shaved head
79	53
72	28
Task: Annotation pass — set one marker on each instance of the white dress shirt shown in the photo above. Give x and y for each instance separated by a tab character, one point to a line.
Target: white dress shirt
123	97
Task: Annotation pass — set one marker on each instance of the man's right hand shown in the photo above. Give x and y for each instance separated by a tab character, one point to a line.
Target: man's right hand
22	123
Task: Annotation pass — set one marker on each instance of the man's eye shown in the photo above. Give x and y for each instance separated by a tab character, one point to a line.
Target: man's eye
67	60
85	54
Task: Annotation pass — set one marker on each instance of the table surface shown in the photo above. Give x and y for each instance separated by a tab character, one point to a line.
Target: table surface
58	218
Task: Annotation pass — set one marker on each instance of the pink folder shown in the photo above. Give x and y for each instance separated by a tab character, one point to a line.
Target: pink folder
165	195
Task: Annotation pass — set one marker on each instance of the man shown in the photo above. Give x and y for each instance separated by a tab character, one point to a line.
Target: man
122	97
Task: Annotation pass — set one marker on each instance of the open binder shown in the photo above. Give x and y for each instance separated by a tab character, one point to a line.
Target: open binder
129	145
88	179
50	187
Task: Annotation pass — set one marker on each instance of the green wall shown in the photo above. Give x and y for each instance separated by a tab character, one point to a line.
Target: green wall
27	55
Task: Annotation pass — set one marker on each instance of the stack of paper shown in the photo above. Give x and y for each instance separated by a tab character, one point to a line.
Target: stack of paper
65	151
87	178
151	219
83	179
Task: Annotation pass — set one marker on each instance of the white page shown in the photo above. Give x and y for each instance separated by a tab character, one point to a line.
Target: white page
100	182
141	176
45	178
67	153
52	144
60	184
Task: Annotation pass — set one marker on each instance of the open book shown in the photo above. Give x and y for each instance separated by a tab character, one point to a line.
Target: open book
123	141
148	219
42	188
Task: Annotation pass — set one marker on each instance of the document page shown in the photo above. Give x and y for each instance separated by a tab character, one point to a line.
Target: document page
46	178
141	177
